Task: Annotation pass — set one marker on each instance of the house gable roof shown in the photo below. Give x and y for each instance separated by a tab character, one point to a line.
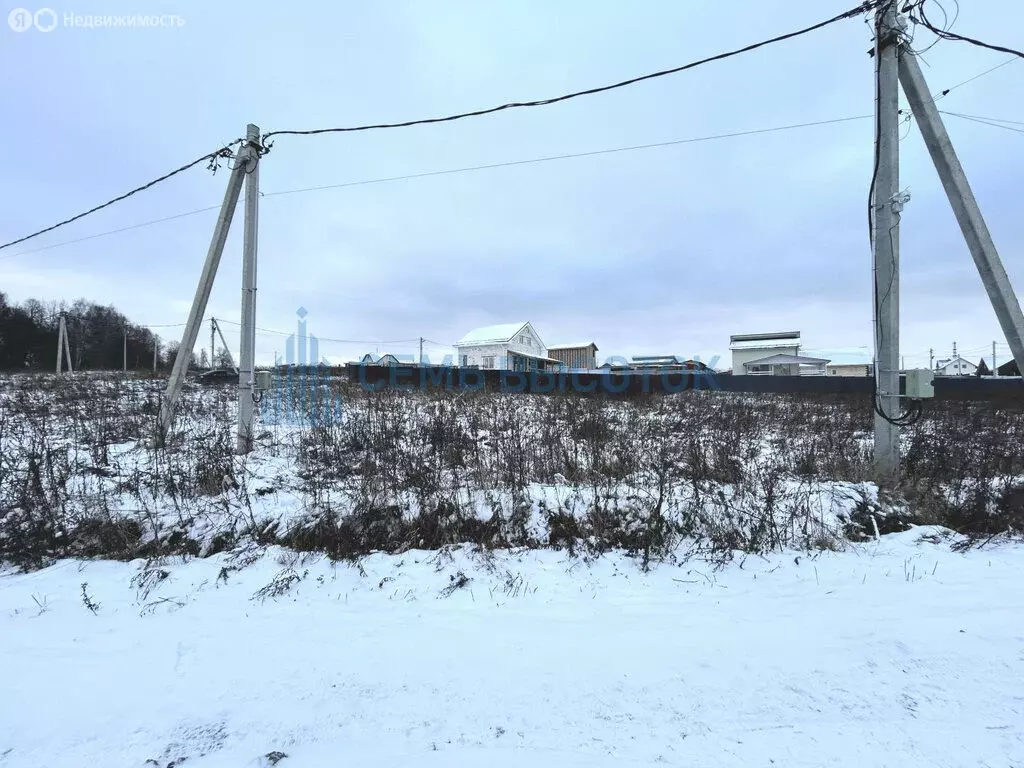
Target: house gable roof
946	363
494	334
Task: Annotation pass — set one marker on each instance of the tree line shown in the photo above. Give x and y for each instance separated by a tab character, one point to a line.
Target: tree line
99	338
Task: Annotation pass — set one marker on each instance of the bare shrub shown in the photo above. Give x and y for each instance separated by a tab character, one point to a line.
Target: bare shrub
388	471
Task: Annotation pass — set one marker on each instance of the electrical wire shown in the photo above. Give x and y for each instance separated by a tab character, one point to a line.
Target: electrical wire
450	171
916	11
986	117
112	231
947	91
864	7
211	159
984	121
568	156
323	338
907	121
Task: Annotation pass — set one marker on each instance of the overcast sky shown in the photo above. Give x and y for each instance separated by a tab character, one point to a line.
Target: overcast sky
665	250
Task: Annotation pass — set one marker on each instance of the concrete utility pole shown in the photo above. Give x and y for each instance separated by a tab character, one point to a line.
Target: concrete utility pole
213	328
965	207
156	352
63	347
247	346
995	368
202	297
931	359
956	359
886	239
124	351
421	350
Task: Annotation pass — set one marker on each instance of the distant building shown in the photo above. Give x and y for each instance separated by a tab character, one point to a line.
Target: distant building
509	346
1009	369
665	363
369	359
955	366
750	347
849	369
850	361
578	356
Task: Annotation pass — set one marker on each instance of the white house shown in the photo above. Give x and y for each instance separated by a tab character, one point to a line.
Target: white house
750	348
956	366
509	346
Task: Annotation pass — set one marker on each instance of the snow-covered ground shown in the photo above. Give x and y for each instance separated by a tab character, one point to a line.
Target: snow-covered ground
899	652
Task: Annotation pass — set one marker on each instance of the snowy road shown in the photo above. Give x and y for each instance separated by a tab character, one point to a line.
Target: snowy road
894	653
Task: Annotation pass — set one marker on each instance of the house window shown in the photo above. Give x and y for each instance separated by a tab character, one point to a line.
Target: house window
465	360
488	361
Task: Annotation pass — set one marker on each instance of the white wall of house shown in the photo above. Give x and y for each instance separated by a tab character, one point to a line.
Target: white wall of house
741	356
476	353
526	342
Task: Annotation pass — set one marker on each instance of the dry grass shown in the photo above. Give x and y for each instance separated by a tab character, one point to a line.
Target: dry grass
388	470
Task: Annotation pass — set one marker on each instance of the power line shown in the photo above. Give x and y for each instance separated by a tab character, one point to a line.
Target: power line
211	158
864	7
466	169
947	91
112	231
984	121
550	158
323	338
992	119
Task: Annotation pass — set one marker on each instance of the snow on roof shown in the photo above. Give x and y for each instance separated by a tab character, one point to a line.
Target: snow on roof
764	344
492	334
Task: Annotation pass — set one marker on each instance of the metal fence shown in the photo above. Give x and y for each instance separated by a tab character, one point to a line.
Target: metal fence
632	383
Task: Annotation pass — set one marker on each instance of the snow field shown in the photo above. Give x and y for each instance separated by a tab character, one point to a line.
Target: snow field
898	652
